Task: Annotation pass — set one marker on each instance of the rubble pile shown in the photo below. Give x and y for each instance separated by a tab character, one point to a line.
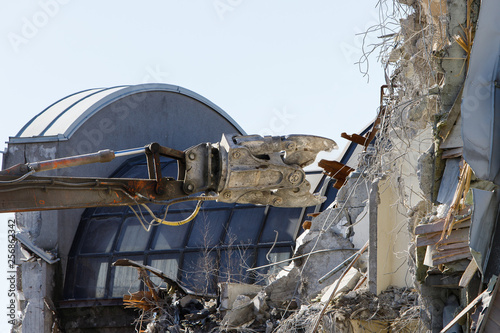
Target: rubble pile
396	309
408	197
393	303
177	312
185	315
182	314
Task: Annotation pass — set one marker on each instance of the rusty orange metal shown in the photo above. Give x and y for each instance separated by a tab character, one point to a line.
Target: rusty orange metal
337	171
368	138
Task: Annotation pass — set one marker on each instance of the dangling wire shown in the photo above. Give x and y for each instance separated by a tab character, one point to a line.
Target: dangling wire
173	223
141	219
157	221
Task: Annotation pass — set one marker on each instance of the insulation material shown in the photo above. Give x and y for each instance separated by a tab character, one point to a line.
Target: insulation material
480	104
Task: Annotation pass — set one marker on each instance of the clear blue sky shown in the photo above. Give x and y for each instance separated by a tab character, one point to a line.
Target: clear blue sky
276	67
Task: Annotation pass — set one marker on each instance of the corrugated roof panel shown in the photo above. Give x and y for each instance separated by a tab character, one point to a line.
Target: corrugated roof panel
60	120
42	121
61	124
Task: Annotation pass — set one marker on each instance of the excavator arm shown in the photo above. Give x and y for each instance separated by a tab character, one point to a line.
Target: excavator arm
238	169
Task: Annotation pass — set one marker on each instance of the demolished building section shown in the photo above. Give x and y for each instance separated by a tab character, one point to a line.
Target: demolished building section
423	191
71	270
432	213
411	242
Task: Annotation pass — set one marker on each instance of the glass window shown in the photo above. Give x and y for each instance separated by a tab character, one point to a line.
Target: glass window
190	253
234	263
167	263
125	280
91	278
207	228
186	206
330	194
137	171
245	225
117	210
277	257
133	236
199	271
171	237
285	221
169	169
265	258
100	235
315	179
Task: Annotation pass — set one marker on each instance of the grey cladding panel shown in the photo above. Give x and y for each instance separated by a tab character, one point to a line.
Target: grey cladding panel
480	104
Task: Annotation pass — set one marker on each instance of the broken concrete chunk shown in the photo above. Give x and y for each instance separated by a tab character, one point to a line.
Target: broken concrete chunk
241	301
425	171
245	311
241	313
230	291
183	302
346	284
281	290
320	263
259	302
395	54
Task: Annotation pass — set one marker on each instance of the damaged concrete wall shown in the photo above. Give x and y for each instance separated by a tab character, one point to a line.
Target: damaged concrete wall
299	282
427	76
37	284
392	241
392	191
391	198
425	71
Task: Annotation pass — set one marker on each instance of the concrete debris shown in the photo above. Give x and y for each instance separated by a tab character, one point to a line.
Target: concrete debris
24	239
388	194
346	284
230	291
307	279
246	311
395	310
425	172
391	304
284	288
242	313
168	315
404	189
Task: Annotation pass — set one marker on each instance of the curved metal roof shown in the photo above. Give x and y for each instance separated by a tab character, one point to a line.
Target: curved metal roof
61	119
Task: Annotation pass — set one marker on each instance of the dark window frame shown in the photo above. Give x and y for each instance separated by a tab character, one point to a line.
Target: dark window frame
254	247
